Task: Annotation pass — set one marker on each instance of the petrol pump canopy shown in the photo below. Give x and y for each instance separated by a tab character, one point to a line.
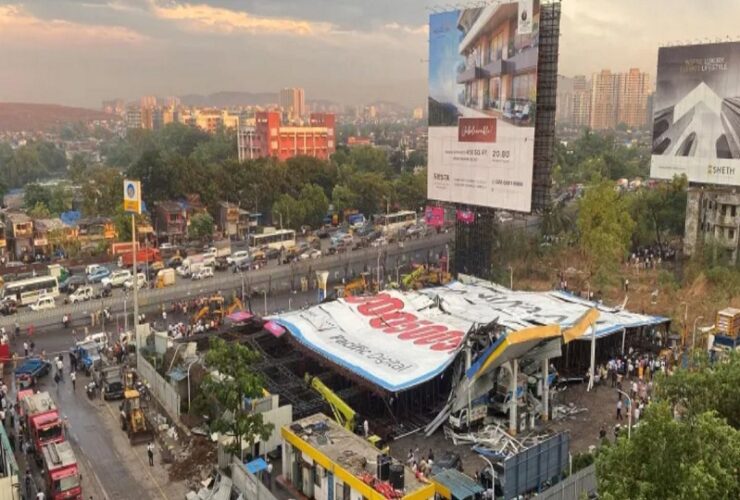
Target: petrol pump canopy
398	340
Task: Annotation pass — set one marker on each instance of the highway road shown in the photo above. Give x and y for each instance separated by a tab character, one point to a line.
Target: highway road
387	260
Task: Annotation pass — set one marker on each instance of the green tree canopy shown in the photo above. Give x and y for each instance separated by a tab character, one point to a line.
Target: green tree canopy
343	198
314	205
234	382
201	226
604	228
668	458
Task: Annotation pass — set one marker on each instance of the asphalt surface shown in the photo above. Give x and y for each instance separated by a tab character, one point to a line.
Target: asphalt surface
270	280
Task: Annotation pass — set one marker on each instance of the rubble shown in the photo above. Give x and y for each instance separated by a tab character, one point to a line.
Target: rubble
191	463
493	440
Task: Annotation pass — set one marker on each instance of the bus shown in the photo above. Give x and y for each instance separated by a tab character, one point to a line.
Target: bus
392	223
277	239
27	291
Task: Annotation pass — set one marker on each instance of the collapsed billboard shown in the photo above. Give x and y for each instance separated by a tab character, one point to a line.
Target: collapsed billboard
482	102
696	122
394	340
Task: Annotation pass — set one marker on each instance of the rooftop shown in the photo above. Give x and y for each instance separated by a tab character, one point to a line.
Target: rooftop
58	455
343	448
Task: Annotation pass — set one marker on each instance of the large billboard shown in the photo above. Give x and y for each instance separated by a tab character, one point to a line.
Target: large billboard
696	122
482	102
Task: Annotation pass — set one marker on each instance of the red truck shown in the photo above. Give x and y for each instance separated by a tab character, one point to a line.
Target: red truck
148	255
60	471
42	422
121	248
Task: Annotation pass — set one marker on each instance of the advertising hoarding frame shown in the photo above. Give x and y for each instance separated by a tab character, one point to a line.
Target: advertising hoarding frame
696	118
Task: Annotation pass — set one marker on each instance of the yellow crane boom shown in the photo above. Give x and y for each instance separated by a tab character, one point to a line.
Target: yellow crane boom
343	413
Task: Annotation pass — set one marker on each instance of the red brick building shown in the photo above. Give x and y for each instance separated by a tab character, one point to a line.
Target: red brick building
270	138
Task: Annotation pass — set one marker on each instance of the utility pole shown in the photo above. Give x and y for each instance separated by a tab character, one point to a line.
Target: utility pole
135	287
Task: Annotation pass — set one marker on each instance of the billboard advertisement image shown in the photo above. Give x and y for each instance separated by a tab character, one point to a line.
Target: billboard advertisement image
482	102
696	123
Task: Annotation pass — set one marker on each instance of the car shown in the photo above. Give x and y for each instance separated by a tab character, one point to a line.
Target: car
43	303
140	279
8	306
98	274
342	238
203	273
380	242
323	232
272	253
82	294
231	259
93	268
71	283
310	254
117	278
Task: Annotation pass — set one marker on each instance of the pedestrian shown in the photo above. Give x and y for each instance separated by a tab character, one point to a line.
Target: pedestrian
28	480
269	474
150	453
619	409
40	495
431	455
73	378
32	344
602	433
626	285
60	368
25	349
366	428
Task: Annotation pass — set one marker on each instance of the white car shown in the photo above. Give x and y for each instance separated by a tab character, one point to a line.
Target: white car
82	294
237	257
43	303
141	282
203	273
310	254
117	278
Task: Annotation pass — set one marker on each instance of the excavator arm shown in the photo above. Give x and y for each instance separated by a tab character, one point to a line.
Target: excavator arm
343	413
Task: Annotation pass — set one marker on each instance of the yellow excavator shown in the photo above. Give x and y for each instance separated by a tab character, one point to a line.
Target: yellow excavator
425	276
358	286
214	310
133	420
343	413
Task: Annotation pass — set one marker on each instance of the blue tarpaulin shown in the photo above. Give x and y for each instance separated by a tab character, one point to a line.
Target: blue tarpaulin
256	465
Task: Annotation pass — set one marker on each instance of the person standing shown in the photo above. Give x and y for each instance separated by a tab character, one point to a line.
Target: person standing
269	474
25	348
366	428
73	378
619	409
150	453
60	368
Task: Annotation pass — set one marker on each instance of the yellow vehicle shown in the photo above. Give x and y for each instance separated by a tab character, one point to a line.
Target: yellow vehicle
133	420
358	286
215	310
423	277
343	413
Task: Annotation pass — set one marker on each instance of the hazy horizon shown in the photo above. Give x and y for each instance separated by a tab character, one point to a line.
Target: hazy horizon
80	52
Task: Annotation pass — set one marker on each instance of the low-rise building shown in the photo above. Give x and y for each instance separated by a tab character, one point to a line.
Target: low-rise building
323	460
713	215
171	223
94	231
49	235
19	234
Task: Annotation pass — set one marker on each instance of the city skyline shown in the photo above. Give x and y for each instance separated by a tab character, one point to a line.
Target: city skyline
351	52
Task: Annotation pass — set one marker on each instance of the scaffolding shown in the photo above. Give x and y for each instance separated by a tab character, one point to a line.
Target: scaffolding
474	242
547	86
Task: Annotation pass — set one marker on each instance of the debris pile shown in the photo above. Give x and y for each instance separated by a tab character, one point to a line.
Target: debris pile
493	441
195	462
566	411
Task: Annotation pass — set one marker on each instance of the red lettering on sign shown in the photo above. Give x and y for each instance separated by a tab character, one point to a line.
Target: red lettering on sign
386	314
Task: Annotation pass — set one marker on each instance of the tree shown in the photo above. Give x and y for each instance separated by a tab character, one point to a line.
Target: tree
288	212
660	212
201	226
372	191
605	229
39	211
668	458
411	190
233	383
343	198
77	169
35	194
314	205
704	388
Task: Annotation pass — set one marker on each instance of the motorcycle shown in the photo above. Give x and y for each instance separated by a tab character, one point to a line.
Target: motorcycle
90	389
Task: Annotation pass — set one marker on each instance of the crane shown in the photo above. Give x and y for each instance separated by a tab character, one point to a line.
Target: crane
343	413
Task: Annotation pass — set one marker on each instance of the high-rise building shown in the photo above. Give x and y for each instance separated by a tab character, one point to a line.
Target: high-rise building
269	138
293	101
133	116
564	100
149	101
581	102
114	107
633	91
418	114
604	100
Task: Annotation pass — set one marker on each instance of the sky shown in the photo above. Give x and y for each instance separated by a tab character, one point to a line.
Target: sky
79	52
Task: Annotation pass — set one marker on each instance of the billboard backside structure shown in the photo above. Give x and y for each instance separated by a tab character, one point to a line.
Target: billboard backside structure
696	123
483	65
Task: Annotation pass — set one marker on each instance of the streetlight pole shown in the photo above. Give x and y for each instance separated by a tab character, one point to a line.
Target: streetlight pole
511	278
693	335
264	295
629	414
493	472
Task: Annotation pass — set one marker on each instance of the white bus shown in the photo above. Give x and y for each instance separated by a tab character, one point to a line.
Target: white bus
25	292
277	239
392	223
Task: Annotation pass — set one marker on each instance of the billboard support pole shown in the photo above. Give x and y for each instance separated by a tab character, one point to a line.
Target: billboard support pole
136	284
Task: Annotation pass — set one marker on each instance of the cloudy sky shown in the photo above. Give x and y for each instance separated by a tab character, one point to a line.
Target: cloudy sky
80	52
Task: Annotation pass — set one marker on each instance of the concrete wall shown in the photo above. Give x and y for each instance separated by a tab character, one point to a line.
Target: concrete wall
247	484
165	394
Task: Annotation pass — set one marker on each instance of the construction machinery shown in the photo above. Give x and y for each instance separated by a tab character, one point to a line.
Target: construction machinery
215	311
424	276
363	284
133	419
343	413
